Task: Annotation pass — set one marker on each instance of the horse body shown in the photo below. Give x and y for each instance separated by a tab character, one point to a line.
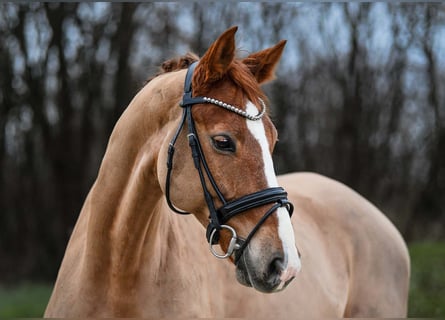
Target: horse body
130	255
362	257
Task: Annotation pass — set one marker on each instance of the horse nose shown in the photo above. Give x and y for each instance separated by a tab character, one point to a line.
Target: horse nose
276	267
280	273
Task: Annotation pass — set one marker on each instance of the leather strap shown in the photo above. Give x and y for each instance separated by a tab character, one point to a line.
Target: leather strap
253	200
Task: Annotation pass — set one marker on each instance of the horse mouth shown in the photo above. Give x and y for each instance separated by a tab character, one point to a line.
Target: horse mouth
251	274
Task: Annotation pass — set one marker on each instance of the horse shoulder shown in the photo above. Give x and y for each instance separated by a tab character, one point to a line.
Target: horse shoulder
349	231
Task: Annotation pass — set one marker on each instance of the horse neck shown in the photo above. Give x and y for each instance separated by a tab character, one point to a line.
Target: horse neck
123	207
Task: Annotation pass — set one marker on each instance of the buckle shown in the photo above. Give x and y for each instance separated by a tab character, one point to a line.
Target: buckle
233	245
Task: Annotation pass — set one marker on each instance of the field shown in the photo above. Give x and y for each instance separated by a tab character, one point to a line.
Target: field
427	291
426	299
24	300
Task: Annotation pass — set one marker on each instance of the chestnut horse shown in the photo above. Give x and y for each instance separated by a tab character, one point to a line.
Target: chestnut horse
199	140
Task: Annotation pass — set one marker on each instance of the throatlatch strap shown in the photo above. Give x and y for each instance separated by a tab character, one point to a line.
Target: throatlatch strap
170	155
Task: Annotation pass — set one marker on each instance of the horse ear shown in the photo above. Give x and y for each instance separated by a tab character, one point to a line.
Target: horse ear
218	57
262	64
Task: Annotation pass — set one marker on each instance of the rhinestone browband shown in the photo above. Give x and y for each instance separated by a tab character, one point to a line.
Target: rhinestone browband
238	110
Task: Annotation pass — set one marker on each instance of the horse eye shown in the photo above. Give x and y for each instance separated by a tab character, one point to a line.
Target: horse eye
223	143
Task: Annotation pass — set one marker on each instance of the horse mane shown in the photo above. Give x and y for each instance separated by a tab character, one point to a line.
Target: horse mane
175	64
238	72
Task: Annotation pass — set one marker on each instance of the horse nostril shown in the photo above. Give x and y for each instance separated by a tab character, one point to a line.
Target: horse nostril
276	266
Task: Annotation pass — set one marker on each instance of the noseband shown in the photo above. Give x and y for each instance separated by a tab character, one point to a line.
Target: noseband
219	217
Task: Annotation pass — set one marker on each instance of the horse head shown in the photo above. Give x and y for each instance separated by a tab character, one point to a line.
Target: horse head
219	164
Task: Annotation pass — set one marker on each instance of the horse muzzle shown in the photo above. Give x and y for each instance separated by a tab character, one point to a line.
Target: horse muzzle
271	274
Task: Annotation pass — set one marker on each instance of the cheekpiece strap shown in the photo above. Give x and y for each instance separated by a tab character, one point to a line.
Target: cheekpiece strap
187	102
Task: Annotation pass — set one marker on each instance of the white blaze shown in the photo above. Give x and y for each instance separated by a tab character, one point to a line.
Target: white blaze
285	230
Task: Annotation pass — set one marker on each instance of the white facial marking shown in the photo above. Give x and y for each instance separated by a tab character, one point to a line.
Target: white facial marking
285	230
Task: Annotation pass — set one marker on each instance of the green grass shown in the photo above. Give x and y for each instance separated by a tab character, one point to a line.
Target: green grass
25	300
426	298
427	290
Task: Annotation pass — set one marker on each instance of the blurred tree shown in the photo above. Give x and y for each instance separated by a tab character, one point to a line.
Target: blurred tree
54	105
359	97
430	206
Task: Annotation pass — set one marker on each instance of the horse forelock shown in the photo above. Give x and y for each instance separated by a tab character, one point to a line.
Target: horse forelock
239	74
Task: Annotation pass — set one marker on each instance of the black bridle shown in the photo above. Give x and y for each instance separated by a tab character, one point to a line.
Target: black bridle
218	217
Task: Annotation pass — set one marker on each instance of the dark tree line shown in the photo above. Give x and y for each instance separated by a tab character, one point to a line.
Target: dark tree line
359	97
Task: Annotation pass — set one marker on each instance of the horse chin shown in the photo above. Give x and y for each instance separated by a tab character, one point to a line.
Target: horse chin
242	275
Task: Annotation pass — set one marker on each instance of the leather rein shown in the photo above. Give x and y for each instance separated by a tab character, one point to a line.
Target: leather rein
219	217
